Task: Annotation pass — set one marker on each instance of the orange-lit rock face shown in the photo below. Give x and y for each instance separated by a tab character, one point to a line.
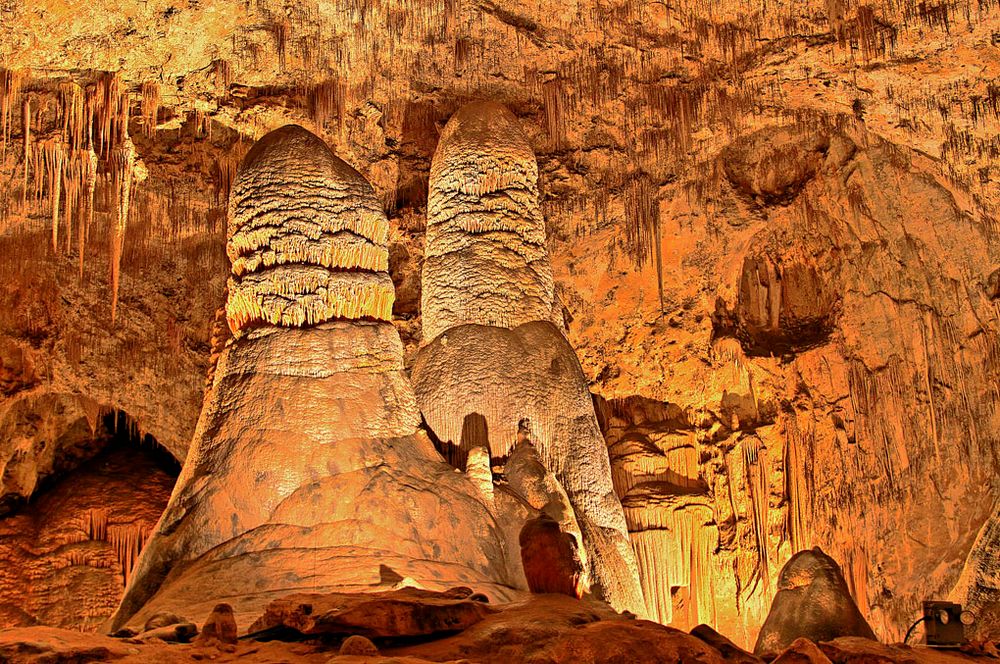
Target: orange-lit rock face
307	471
66	555
827	381
496	360
821	312
978	587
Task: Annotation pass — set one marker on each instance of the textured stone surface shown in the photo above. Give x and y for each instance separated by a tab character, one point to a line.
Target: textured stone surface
541	629
531	372
307	471
485	259
812	602
978	587
486	309
627	106
550	559
67	554
729	650
219	627
407	612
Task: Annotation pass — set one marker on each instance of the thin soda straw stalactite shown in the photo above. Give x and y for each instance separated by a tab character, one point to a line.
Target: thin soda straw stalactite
83	226
26	131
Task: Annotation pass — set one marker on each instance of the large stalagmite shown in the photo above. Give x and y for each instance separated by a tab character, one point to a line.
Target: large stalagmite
494	358
307	471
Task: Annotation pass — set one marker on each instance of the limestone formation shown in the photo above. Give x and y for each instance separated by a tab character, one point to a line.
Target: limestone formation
978	587
403	613
485	258
776	221
358	646
528	479
812	602
307	471
306	238
729	650
487	318
219	628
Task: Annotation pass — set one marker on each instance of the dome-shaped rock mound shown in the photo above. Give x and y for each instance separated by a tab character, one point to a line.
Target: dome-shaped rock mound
814	602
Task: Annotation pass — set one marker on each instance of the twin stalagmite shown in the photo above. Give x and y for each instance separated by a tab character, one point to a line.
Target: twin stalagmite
308	470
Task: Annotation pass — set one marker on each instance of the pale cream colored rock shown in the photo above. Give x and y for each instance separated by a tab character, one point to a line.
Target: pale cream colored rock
485	259
531	372
493	357
978	587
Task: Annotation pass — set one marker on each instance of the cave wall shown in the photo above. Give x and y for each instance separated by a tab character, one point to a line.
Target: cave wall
774	227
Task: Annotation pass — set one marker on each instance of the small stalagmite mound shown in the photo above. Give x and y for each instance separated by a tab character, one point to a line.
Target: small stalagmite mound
219	627
358	646
550	558
812	602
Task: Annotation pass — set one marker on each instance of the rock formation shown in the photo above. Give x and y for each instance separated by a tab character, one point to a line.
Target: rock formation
812	602
772	229
550	558
307	471
492	353
978	586
220	627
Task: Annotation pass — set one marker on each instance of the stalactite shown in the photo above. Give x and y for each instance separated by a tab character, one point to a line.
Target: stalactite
109	109
327	103
797	493
223	73
123	163
10	91
50	161
97	525
757	470
554	98
150	106
127	542
89	167
642	230
72	100
26	131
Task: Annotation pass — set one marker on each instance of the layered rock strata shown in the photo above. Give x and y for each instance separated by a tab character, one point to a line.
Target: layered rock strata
307	472
493	357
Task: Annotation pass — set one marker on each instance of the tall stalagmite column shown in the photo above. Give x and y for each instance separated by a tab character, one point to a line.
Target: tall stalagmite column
306	471
494	358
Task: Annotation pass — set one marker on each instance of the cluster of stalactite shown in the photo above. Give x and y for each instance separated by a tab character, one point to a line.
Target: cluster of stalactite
71	163
702	517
